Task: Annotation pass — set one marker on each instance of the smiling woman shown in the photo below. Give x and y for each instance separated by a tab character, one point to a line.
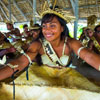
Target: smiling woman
55	49
52	29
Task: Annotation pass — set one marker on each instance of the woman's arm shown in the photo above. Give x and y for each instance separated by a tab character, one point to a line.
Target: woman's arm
87	55
22	61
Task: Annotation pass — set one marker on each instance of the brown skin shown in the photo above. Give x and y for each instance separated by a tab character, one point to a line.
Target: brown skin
90	33
91	44
52	32
21	61
35	34
97	35
87	55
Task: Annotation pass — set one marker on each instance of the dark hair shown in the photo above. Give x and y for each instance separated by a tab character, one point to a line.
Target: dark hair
25	25
37	25
88	29
49	17
95	29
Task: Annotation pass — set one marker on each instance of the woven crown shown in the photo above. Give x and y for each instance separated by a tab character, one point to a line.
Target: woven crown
34	27
57	11
91	21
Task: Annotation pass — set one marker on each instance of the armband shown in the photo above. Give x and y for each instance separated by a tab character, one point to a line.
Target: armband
99	68
28	58
12	66
79	50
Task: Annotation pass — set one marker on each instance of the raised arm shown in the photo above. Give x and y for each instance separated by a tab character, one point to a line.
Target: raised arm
22	61
87	55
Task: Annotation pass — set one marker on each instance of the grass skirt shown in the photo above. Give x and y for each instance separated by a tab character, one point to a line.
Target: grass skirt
44	82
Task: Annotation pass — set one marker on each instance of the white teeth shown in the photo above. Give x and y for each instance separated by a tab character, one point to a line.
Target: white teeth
48	35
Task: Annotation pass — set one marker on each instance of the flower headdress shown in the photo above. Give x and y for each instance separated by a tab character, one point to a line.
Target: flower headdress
57	11
33	26
91	21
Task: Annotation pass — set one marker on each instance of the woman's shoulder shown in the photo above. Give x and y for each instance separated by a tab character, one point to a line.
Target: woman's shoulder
35	45
73	42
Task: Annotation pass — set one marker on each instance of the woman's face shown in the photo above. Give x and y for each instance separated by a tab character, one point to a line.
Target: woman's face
9	27
52	30
90	33
25	29
98	32
35	34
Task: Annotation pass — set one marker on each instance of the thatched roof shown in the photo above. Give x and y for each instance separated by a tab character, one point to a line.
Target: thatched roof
22	10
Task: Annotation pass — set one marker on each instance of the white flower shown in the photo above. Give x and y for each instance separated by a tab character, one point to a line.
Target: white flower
3	60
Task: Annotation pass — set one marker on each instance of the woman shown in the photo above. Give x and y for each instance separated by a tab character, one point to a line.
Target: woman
90	32
35	31
86	40
95	40
55	49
